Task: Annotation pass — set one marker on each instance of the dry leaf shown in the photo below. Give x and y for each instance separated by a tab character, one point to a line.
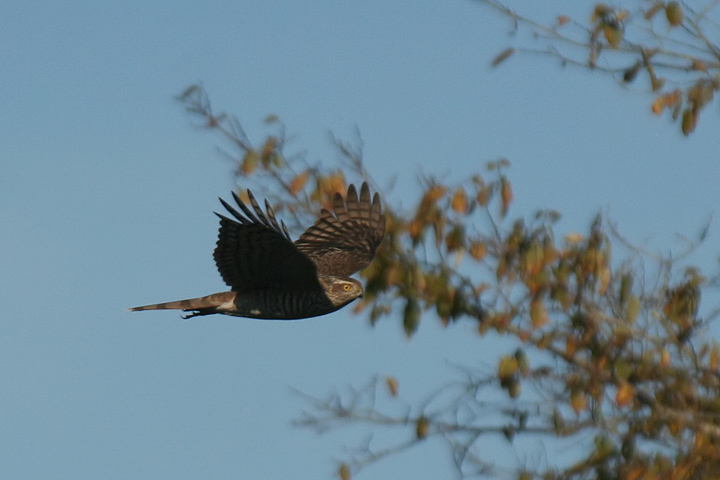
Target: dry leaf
624	395
392	386
460	201
502	56
674	13
297	183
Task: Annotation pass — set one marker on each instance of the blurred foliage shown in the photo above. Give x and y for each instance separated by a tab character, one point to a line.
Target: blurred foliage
673	45
605	349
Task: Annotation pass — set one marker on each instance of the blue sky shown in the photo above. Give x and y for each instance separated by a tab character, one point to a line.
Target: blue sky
107	192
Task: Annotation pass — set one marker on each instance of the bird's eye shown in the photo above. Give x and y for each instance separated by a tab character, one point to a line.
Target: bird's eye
347	287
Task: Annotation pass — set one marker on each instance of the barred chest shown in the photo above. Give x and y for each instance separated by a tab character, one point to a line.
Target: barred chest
283	304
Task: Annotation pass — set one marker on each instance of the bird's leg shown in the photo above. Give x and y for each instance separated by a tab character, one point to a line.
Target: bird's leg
199	313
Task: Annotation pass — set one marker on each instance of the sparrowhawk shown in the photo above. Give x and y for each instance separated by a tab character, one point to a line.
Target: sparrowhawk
272	277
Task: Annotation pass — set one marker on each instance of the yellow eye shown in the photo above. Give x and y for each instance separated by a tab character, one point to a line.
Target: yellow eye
347	287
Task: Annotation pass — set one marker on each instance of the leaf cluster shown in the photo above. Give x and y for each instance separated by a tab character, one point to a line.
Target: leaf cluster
603	348
673	45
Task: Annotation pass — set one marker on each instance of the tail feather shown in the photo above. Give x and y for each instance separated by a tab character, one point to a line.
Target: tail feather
221	301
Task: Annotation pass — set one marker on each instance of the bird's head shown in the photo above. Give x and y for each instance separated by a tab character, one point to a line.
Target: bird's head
342	291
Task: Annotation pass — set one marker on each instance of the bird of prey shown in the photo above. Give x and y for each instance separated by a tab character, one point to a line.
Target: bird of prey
272	277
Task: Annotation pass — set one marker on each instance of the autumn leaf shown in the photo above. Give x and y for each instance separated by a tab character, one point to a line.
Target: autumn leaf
601	10
483	195
268	151
714	361
674	13
411	317
502	56
604	275
613	34
507	367
392	385
699	66
344	472
460	201
632	309
538	313
533	259
434	194
506	195
298	182
478	250
665	357
422	428
249	162
577	400
658	105
624	395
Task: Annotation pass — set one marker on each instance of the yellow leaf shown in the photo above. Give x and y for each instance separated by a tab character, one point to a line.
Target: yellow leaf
297	183
478	250
605	276
460	201
422	427
507	367
435	193
613	34
674	13
714	361
632	309
249	162
344	471
658	105
538	313
533	258
392	386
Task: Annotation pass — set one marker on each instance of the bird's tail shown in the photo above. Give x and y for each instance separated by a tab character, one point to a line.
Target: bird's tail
215	302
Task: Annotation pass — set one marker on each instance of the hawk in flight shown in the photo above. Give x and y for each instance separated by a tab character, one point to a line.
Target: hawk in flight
272	277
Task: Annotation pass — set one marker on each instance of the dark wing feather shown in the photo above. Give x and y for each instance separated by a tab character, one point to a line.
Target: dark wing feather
343	242
255	252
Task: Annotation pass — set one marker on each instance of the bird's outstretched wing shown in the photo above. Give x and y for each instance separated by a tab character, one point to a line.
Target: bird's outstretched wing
255	252
344	241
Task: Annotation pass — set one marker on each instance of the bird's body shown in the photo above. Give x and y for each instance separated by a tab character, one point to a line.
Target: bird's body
274	278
